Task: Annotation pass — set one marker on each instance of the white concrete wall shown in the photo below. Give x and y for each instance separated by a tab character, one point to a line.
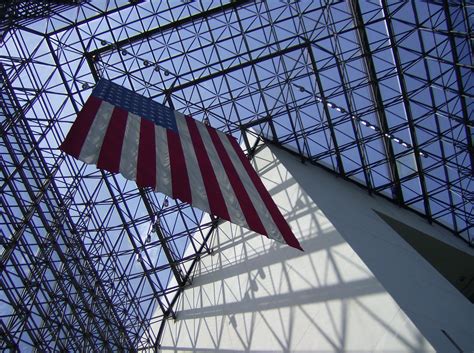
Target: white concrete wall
358	287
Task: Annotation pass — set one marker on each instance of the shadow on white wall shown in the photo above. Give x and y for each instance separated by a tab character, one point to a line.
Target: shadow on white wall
255	295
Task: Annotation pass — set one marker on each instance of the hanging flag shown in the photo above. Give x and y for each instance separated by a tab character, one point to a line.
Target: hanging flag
123	132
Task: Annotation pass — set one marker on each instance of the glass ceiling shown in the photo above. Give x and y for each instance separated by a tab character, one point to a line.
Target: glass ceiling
379	92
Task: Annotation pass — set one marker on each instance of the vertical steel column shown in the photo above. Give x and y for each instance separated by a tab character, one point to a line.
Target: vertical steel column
376	95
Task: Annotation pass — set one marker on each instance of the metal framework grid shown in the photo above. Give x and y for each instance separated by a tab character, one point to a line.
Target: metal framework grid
379	92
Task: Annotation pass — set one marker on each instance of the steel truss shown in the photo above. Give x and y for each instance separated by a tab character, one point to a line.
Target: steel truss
379	93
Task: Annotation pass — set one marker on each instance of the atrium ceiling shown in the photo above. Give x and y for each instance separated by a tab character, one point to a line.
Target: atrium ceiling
377	92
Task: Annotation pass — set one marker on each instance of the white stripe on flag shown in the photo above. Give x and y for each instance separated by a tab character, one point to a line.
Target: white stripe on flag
129	155
163	166
95	137
198	191
231	201
262	210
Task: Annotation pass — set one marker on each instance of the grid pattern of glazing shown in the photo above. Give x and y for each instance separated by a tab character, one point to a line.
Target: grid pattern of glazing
379	92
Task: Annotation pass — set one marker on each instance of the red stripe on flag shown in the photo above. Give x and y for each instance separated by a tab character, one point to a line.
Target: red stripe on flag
214	195
146	169
253	220
179	173
109	157
74	141
280	222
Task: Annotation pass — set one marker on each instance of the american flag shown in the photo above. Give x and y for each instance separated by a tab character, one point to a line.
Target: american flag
123	132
